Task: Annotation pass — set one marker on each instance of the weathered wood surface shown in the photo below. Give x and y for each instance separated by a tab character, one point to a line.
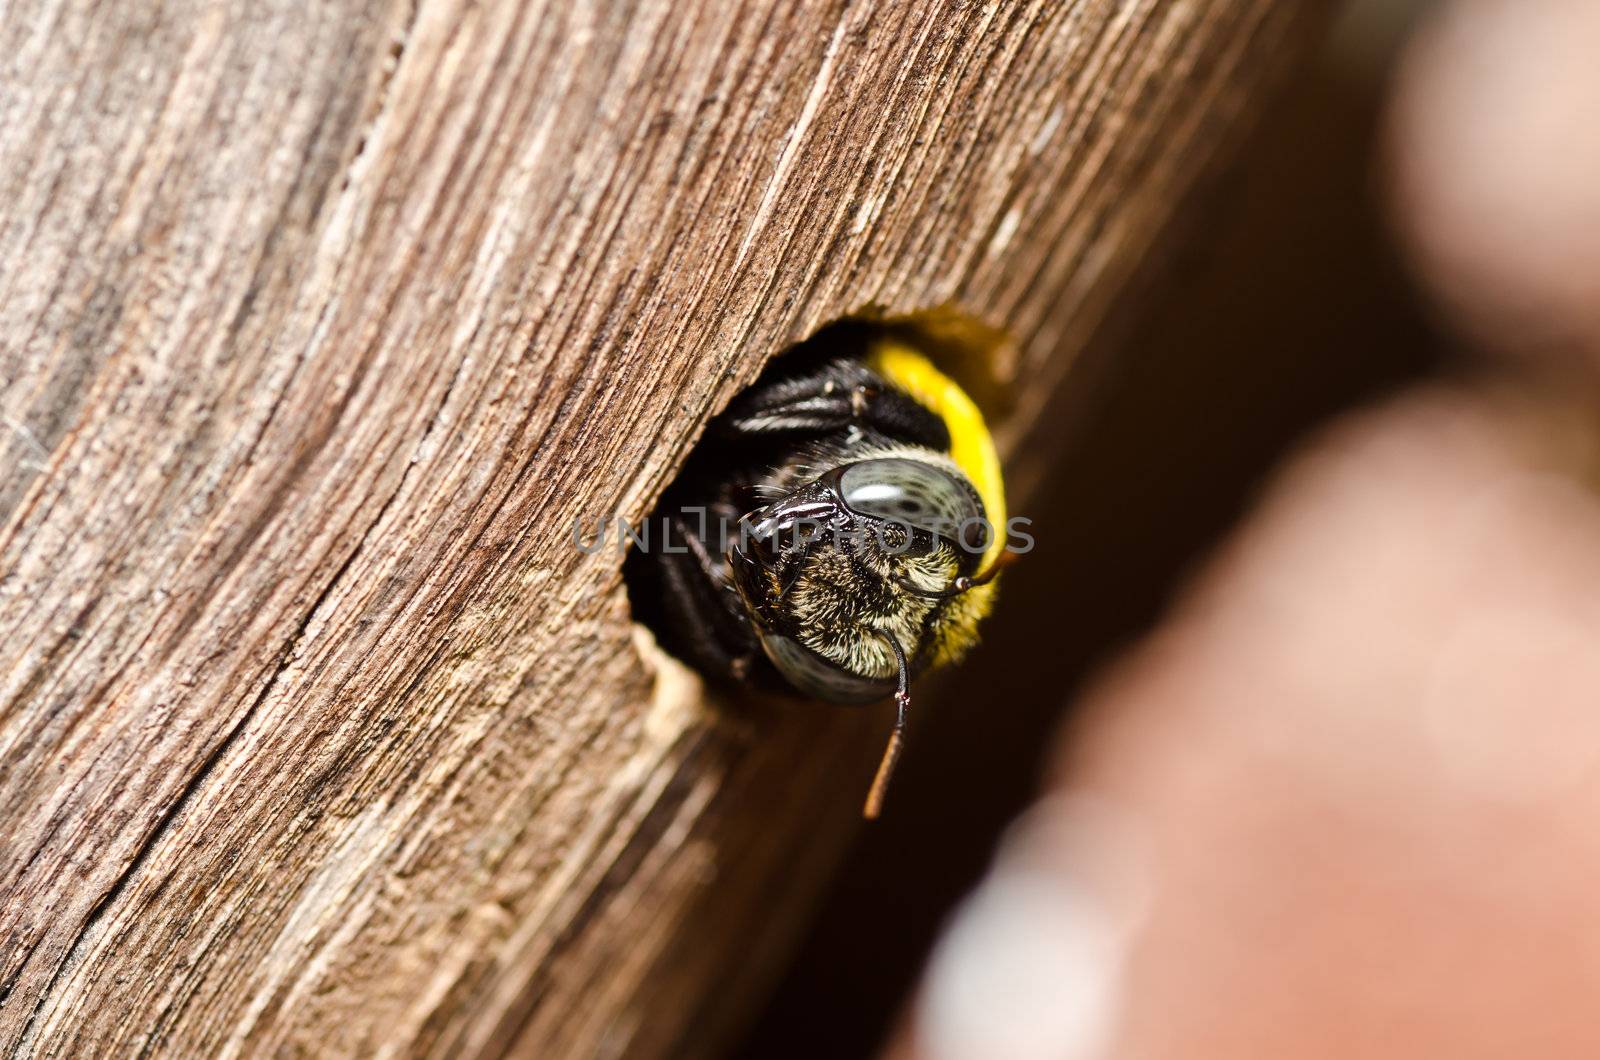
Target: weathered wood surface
318	326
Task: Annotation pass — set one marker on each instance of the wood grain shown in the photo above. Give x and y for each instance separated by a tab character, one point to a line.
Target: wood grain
320	324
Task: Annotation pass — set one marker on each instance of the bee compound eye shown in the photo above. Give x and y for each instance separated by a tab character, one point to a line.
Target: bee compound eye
915	494
816	676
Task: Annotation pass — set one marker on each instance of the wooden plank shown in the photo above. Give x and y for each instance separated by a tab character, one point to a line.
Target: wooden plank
319	326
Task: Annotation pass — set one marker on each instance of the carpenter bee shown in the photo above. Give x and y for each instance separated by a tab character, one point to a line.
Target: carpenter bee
835	533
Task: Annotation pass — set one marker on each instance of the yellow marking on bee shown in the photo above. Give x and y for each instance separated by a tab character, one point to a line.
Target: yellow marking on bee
971	445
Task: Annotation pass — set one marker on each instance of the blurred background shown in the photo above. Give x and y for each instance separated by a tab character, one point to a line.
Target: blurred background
1323	273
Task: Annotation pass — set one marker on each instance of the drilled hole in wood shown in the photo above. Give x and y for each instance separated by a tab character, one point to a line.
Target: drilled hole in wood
817	406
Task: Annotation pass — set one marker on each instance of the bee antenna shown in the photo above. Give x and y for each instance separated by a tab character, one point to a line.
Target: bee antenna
897	735
961	585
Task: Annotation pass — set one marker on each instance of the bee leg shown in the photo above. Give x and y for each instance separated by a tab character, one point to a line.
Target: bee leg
836	396
703	619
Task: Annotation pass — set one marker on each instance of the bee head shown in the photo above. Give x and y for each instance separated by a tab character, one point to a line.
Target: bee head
845	577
